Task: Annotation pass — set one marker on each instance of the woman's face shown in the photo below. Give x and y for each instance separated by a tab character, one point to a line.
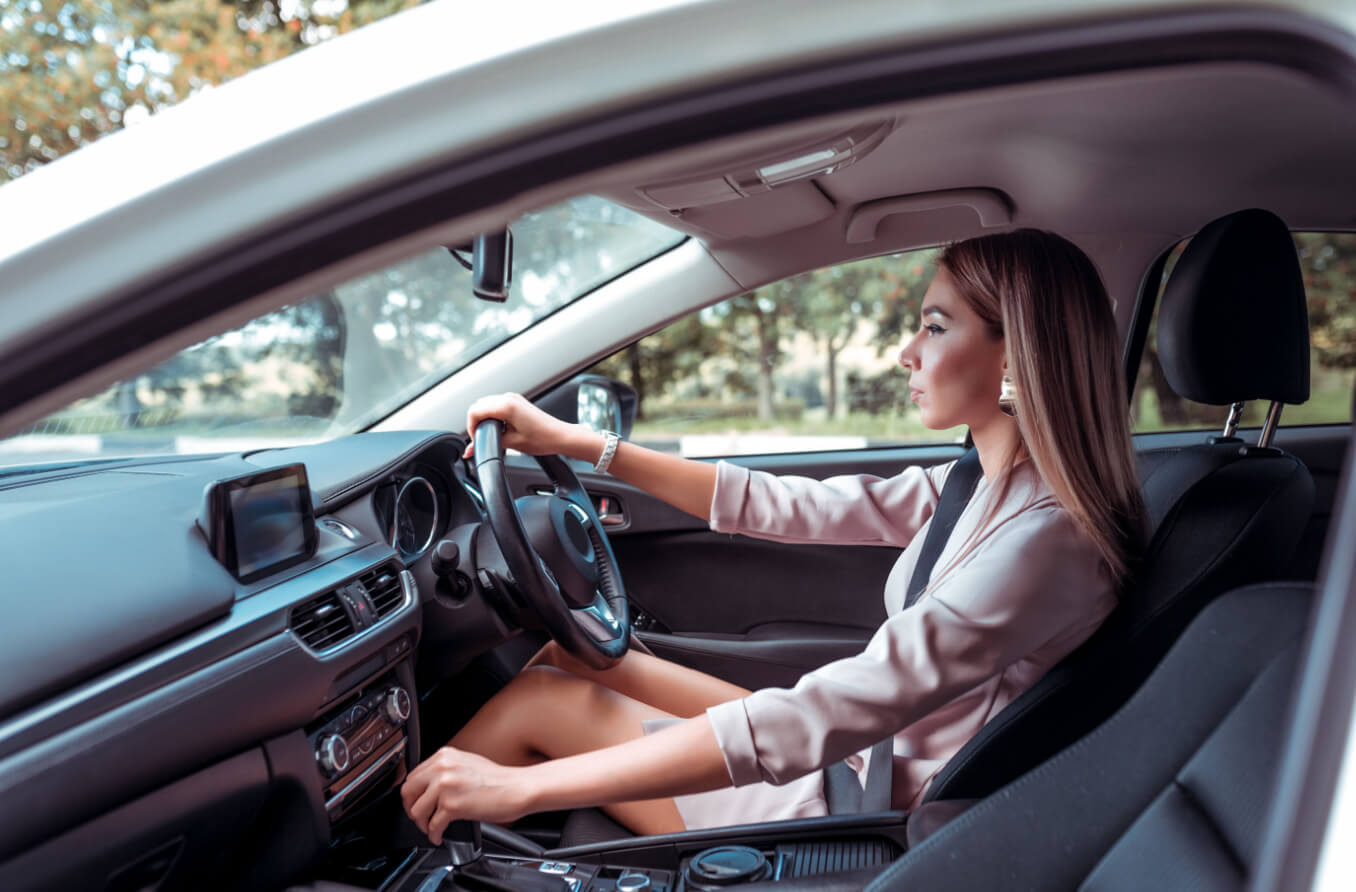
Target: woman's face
956	363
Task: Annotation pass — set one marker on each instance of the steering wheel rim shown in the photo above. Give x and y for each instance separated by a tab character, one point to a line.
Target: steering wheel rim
597	633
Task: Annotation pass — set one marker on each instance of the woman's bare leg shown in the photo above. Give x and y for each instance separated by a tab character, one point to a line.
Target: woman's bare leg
663	684
549	713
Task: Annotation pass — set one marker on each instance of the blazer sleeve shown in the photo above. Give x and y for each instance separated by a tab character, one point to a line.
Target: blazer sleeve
1035	578
849	510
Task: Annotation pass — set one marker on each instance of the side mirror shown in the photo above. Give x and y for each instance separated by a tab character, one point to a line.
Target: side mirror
594	401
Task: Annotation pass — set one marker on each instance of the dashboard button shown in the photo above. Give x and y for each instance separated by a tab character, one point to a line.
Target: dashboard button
397	704
333	754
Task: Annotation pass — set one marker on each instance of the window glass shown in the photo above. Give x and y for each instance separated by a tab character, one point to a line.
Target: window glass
337	362
1328	263
805	364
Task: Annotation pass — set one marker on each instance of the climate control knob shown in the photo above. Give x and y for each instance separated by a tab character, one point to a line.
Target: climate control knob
397	704
332	751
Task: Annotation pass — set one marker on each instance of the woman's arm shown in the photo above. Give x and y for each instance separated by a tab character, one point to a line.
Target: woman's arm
454	785
685	484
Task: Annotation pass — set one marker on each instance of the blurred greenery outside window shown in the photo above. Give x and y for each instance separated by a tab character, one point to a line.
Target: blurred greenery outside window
802	365
1328	264
339	361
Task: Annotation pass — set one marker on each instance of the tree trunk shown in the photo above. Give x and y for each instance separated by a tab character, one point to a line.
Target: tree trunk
637	378
767	356
1171	410
831	400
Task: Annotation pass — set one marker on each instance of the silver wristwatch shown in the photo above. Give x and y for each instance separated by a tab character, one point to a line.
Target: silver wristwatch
609	450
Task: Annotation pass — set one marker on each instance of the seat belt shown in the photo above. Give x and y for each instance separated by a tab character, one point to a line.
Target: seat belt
842	790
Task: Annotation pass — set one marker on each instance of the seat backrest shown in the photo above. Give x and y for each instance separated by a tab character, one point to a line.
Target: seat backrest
1170	793
1223	513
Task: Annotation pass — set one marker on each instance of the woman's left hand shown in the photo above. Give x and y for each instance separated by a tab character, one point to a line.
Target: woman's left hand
454	785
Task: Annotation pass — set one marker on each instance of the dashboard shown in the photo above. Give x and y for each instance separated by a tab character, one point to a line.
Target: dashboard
135	662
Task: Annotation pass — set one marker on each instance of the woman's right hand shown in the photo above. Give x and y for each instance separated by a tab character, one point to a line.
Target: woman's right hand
527	428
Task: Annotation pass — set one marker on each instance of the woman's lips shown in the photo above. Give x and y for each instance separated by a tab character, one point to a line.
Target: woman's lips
915	393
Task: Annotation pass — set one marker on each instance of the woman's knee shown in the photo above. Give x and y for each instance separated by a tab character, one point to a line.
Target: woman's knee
551	654
554	656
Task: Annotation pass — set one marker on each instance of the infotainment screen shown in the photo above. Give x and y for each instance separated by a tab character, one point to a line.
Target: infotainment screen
258	524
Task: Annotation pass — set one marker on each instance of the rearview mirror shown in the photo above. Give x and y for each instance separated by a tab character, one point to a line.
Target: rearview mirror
492	265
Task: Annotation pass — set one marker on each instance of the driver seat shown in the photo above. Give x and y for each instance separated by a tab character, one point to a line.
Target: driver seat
1233	326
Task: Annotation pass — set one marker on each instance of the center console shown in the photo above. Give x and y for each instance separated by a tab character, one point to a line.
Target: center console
785	855
365	741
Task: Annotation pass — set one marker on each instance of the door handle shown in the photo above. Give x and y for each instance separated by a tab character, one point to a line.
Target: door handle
609	511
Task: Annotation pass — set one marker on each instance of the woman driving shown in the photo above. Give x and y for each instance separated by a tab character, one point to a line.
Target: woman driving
1018	342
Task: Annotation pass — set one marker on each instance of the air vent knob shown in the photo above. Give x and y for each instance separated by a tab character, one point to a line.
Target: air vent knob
333	753
397	704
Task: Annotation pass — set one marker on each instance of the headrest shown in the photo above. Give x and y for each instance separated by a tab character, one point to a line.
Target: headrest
1233	324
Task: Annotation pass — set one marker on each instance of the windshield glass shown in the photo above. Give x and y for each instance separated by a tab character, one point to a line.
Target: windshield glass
337	362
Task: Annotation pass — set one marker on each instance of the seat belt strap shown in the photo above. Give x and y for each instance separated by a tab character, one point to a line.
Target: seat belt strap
956	492
842	791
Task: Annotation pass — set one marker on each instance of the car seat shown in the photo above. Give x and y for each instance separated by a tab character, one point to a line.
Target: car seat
1233	326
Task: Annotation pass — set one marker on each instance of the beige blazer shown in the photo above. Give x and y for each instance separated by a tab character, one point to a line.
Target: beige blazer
1005	603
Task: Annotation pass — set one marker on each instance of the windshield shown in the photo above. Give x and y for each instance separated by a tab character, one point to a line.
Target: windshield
337	362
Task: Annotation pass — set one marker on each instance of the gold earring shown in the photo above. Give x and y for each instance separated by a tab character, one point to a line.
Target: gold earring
1007	397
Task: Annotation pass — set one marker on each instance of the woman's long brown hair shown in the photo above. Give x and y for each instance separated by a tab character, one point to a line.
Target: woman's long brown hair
1042	294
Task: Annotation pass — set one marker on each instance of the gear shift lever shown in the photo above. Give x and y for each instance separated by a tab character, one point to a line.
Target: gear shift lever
469	871
462	839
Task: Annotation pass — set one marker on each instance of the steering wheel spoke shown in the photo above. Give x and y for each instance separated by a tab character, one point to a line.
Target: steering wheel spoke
599	619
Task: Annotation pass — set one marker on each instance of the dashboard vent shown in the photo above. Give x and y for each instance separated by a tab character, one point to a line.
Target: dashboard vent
383	589
322	623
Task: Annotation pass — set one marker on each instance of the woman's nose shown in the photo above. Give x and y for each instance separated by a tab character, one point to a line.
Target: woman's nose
907	357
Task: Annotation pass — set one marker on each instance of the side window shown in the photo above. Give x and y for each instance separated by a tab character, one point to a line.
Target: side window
1328	262
805	364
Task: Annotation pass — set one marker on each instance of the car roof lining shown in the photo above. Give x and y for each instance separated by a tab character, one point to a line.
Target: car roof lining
1125	164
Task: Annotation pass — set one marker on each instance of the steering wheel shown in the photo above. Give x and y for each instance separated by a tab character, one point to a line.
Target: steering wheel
558	554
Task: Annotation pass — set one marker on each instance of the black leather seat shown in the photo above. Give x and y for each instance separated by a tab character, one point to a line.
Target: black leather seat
1170	793
1233	326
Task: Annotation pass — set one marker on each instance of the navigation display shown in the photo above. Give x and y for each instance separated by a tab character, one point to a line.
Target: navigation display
261	523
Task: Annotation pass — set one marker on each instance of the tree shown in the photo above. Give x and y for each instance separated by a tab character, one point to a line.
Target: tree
653	363
750	328
72	71
1328	263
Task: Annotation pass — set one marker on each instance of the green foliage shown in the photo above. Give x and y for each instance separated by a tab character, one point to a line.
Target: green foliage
72	71
738	347
1328	262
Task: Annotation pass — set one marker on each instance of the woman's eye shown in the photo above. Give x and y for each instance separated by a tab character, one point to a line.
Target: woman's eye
932	328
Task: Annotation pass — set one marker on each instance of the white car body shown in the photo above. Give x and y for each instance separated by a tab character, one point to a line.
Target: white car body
167	202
